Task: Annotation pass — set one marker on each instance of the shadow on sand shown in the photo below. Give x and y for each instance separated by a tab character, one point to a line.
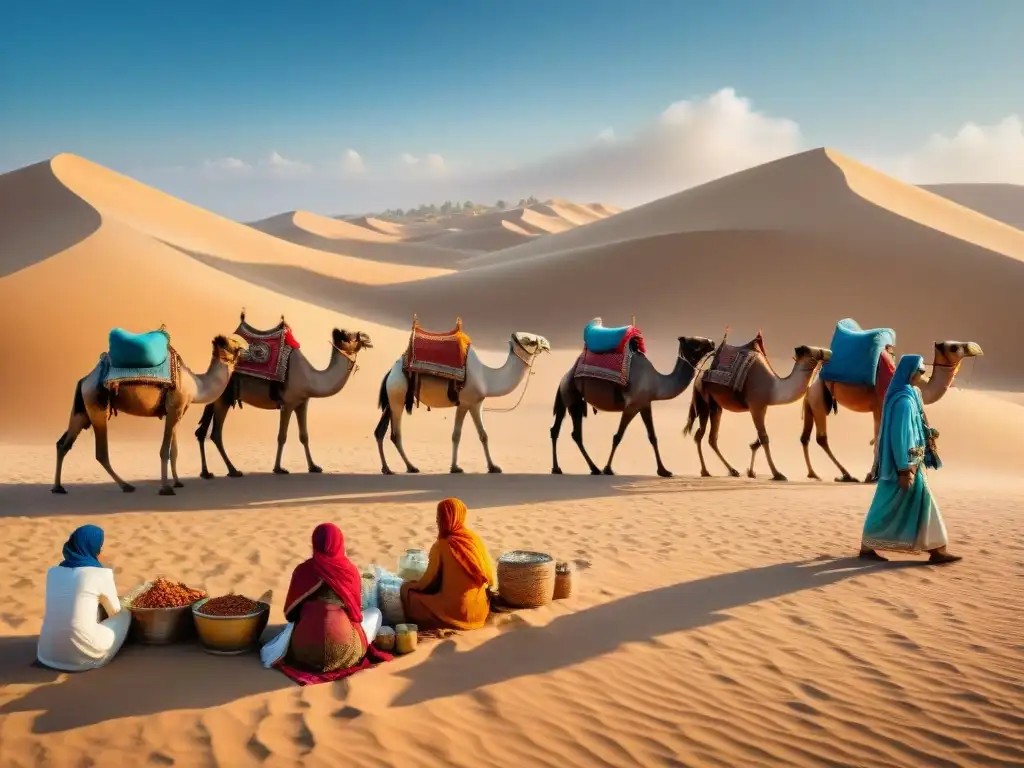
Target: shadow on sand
479	491
523	650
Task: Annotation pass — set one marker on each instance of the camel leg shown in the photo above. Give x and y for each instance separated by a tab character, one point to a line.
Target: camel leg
396	438
460	417
577	412
76	424
476	412
819	419
301	412
758	415
556	428
282	438
174	460
648	419
700	409
627	416
716	422
220	415
872	476
99	428
170	422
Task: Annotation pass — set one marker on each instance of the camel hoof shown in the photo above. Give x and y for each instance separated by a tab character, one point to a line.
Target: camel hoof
662	472
178	484
556	470
780	478
607	471
494	469
455	471
127	488
207	475
235	473
751	474
281	471
166	490
58	489
386	471
315	470
412	470
595	471
847	479
705	473
813	476
734	473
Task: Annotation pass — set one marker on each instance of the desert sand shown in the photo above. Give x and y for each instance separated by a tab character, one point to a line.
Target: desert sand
715	622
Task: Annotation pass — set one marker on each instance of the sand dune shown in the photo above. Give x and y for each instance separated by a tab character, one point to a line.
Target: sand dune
715	621
505	234
1003	202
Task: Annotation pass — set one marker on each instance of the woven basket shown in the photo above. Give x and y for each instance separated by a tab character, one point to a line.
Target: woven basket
526	579
563	580
158	626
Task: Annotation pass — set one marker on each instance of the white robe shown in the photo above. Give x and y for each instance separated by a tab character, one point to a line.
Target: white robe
73	638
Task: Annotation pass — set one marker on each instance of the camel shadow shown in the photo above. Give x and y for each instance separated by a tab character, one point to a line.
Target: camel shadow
479	491
141	680
523	650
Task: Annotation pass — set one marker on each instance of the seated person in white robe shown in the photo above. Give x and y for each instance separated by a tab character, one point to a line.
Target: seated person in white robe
76	636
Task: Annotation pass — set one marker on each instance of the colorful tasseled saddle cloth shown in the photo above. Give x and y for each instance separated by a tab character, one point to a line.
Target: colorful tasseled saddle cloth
730	365
437	354
140	358
268	353
608	352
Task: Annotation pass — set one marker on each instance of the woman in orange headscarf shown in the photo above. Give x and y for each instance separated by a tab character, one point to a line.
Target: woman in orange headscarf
453	592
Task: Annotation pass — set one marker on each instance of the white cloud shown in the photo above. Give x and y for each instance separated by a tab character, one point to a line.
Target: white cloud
282	167
977	153
606	135
352	163
409	159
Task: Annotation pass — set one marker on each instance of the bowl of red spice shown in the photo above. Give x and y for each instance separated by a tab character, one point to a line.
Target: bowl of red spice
160	610
231	624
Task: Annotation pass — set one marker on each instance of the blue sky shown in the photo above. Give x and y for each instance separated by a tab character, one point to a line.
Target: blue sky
145	87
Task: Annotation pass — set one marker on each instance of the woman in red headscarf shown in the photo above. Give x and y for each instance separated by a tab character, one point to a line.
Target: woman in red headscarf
330	634
453	592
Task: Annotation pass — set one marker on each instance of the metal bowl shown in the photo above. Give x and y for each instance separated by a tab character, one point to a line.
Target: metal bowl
156	626
230	635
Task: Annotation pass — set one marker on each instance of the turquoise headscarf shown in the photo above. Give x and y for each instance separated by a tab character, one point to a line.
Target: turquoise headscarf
900	437
83	548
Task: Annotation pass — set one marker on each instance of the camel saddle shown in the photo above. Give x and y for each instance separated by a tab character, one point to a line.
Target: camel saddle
442	355
165	375
597	338
138	350
268	353
857	354
731	364
606	366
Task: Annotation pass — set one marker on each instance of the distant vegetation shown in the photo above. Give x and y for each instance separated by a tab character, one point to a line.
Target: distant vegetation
429	211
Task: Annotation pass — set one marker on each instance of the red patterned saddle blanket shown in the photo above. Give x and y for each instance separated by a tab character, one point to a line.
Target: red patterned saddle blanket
269	351
437	354
606	366
885	371
731	364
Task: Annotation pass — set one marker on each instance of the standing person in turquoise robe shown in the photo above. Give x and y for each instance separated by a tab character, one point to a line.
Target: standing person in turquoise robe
904	516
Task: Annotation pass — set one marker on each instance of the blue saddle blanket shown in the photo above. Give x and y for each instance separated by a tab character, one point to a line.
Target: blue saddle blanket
601	340
138	350
855	353
163	375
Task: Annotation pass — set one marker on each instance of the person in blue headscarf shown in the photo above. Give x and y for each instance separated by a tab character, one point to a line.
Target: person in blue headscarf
904	516
75	636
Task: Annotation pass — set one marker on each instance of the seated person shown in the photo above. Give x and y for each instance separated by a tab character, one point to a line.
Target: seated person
75	636
330	631
453	592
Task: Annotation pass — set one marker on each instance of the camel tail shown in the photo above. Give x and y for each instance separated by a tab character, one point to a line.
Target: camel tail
382	399
205	421
78	406
830	401
691	417
410	391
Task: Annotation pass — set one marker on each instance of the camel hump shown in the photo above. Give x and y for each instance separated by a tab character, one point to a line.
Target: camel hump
138	350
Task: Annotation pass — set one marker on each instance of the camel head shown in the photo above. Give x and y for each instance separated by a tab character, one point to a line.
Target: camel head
531	342
811	357
229	349
951	353
693	349
350	342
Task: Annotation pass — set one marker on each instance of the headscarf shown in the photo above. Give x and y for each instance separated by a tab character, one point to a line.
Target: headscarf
83	548
466	547
900	387
329	566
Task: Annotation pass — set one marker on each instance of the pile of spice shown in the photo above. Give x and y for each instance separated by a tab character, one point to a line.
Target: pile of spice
229	605
167	594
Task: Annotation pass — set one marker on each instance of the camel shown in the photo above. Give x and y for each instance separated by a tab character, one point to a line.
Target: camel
762	388
824	397
645	385
302	382
92	401
482	381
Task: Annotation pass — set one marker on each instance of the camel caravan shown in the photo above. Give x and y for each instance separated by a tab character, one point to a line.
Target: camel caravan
141	374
